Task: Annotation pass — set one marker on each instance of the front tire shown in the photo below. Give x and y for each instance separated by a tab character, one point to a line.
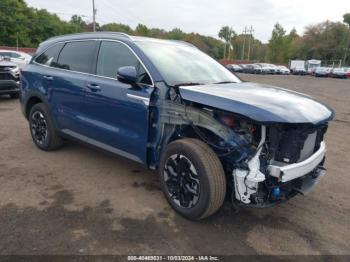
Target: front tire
42	129
192	178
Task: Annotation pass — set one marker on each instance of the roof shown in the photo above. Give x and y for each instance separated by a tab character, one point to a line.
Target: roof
109	35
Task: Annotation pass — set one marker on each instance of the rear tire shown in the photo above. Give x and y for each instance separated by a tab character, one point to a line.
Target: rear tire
41	127
192	178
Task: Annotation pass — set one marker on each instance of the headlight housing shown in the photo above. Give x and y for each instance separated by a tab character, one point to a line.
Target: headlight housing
15	71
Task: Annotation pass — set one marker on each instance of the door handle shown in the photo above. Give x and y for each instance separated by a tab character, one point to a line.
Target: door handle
94	87
49	78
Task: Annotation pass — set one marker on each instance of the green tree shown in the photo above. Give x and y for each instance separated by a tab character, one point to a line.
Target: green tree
114	27
346	20
324	41
176	34
292	40
197	40
277	45
227	34
28	26
142	30
78	22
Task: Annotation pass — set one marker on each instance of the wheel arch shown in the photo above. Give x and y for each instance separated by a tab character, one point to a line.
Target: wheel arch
177	121
33	99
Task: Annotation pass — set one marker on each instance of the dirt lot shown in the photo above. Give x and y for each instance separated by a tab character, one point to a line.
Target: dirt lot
81	201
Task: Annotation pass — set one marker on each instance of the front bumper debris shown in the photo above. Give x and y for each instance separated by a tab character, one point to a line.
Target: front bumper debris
287	173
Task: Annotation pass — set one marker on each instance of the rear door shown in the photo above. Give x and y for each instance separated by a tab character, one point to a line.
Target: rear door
75	63
117	113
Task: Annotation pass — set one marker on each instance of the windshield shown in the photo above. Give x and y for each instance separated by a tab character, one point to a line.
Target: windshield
181	64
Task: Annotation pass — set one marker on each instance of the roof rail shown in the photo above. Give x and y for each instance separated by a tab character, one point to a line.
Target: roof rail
86	33
183	42
114	33
123	34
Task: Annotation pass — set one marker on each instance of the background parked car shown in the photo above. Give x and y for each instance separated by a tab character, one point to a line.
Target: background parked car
311	71
252	69
243	67
274	68
297	67
266	68
329	70
9	78
348	72
298	71
234	68
19	58
311	65
283	70
322	72
339	73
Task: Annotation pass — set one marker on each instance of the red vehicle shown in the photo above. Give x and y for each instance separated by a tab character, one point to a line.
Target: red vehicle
348	72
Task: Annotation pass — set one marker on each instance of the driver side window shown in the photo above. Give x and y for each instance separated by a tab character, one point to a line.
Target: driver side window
113	55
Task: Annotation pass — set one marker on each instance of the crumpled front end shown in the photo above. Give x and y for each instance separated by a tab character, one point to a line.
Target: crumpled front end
283	134
288	161
270	141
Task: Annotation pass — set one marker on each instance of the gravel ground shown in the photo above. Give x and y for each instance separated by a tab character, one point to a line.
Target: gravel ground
82	201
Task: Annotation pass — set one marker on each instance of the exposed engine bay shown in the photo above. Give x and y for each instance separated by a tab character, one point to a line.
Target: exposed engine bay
288	160
265	163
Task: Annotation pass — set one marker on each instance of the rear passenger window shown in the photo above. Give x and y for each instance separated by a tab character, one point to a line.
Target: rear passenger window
113	55
77	56
49	57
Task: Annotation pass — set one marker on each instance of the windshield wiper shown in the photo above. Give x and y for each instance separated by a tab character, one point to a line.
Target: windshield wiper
188	84
224	82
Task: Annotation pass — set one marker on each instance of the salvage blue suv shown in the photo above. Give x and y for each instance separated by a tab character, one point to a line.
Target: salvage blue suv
173	108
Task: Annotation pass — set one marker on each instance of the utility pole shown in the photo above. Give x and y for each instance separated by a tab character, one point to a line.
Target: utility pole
250	31
94	11
243	49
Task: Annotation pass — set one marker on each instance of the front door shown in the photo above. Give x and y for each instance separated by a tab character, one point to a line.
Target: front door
117	114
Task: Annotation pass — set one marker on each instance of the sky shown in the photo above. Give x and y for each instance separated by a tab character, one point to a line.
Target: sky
204	16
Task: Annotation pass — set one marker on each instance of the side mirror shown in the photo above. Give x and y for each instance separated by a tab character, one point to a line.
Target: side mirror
127	74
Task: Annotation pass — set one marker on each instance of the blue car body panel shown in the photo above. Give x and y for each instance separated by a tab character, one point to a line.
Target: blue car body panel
114	117
261	103
117	115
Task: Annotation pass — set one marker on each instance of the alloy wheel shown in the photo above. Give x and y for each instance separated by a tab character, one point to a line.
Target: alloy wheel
182	181
39	127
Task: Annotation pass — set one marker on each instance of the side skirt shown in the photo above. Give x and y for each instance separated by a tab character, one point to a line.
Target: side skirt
103	146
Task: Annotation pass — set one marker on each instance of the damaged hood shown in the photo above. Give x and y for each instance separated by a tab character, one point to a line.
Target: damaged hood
261	103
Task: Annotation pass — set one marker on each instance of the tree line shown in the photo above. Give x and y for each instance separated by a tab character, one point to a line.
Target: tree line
327	41
27	27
